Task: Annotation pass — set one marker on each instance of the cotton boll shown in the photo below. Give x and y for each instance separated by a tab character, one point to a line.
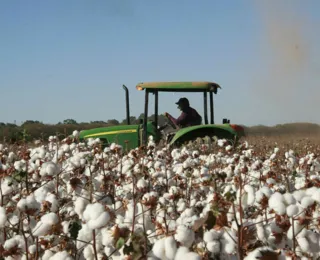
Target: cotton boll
192	256
289	199
53	200
3	217
260	252
184	235
49	169
96	216
88	252
292	210
170	246
99	222
307	202
304	244
80	205
181	253
213	247
299	194
250	191
158	248
316	195
276	202
32	249
61	255
75	133
47	255
208	236
45	224
16	241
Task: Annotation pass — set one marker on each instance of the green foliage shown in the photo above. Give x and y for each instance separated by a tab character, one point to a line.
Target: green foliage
19	176
74	228
211	220
120	243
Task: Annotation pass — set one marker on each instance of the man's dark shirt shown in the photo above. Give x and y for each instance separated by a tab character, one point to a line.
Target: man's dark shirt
188	117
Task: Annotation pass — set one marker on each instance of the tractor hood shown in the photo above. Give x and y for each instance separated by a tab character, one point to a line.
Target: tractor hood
109	130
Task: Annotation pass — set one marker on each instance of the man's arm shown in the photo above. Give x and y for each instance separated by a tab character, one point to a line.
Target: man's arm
180	120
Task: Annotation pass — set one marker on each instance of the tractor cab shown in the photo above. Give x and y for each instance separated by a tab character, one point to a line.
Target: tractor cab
181	135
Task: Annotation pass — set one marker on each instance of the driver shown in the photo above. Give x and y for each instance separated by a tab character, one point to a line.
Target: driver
188	117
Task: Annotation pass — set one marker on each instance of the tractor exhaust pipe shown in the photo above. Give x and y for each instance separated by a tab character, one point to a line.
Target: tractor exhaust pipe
127	104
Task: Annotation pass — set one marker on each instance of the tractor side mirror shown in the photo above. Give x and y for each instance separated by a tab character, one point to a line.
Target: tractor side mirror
225	121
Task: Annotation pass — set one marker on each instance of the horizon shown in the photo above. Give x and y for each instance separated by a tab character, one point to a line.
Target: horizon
69	60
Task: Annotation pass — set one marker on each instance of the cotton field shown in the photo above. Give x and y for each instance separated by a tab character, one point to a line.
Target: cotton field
208	200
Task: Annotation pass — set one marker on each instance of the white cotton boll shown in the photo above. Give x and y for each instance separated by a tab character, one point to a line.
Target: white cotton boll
32	249
259	196
208	236
99	222
47	255
289	199
88	252
96	216
192	256
250	191
307	202
213	246
50	218
45	224
158	249
304	244
54	203
75	133
28	203
299	194
261	234
292	210
276	202
16	241
3	217
61	255
49	169
257	253
228	246
170	246
228	148
80	205
273	156
184	235
142	184
181	253
316	195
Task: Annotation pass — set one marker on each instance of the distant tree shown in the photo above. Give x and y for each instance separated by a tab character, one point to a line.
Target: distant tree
113	122
29	122
11	125
97	122
2	124
70	122
133	120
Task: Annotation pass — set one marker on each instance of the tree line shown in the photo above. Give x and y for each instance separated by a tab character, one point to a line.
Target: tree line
33	129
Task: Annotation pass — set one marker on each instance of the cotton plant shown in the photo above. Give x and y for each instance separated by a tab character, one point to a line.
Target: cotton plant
160	203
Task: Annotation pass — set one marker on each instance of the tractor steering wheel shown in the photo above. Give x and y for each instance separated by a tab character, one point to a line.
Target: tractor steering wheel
172	123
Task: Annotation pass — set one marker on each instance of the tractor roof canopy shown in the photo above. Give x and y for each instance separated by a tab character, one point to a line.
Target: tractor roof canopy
196	86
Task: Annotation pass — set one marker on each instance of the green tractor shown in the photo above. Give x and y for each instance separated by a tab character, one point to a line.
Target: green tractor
132	136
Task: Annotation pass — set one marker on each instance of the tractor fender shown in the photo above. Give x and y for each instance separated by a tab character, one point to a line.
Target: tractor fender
221	131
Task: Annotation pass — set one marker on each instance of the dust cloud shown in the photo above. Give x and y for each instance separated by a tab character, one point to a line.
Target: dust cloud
287	77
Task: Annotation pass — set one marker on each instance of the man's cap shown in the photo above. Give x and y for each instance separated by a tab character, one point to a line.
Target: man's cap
183	101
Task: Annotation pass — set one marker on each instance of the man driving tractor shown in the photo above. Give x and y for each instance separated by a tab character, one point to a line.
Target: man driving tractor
188	117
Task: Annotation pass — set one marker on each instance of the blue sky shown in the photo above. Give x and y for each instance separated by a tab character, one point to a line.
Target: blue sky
68	59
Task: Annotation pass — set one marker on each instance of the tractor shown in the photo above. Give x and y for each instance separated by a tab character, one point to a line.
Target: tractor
132	136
